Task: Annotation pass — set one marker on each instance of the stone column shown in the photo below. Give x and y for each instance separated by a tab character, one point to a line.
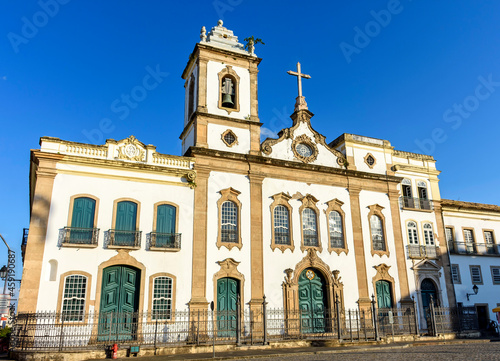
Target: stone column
359	250
399	245
45	173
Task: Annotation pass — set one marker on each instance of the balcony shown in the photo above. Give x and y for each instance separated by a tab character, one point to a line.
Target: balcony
125	239
416	251
475	249
416	203
74	236
165	241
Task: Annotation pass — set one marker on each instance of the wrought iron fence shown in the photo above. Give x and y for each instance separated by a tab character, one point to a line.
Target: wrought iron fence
124	238
53	331
416	203
473	248
74	235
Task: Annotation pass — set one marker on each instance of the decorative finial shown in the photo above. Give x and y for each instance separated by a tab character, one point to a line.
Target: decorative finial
219	23
301	101
203	34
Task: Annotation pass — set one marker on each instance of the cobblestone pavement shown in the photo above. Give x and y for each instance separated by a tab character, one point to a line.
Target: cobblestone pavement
469	352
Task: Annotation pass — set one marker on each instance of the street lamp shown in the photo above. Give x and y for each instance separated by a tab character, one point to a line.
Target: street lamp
475	289
3	274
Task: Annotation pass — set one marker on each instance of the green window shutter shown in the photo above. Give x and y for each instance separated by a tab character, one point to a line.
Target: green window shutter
83	213
126	216
165	219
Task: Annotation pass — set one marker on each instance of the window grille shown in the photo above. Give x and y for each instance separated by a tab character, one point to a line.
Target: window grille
495	275
377	233
428	234
309	228
455	273
336	230
73	307
162	298
412	233
229	222
281	225
475	272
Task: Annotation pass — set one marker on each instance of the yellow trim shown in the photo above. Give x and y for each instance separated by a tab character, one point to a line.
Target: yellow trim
336	205
151	286
281	199
376	210
310	201
88	285
229	194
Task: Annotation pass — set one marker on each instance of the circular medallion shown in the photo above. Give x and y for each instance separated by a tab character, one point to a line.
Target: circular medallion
310	274
304	150
131	150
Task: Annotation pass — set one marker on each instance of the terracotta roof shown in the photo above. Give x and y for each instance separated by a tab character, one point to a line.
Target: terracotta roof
470	205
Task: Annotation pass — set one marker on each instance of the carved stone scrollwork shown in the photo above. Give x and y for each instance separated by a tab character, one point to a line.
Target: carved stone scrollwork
131	149
308	141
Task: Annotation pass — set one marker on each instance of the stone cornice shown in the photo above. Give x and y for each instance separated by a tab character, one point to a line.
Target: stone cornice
448	204
194	151
416	169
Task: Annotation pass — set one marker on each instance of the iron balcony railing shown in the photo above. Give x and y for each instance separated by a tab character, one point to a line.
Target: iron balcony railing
166	240
86	236
25	237
417	251
229	235
416	203
476	249
311	240
124	238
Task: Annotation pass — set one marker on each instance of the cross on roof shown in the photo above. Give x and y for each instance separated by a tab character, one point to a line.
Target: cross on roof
299	76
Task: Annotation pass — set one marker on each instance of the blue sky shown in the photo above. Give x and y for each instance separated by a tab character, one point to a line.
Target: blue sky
424	75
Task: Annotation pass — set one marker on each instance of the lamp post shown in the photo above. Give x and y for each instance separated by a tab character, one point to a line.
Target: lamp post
3	274
475	289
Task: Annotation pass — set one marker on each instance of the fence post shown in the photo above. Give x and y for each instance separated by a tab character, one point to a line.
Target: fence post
374	316
350	324
61	336
238	321
156	331
337	309
433	319
197	329
415	314
264	318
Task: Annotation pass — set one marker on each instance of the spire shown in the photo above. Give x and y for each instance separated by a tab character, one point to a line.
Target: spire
300	104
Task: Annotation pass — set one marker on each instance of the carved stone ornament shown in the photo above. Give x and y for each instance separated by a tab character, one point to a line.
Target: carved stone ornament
304	139
131	149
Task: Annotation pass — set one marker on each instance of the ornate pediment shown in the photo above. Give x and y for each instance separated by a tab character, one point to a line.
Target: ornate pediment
426	265
131	149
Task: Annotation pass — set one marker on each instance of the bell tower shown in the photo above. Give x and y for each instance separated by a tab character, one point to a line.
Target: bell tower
221	107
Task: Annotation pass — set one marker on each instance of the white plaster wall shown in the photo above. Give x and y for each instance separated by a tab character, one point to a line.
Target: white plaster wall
215	138
360	152
275	262
213	69
415	178
216	182
488	292
283	149
88	260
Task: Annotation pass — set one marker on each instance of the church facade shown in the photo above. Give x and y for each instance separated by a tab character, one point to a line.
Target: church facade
120	227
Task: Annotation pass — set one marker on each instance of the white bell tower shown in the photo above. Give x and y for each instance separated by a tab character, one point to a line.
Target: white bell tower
221	107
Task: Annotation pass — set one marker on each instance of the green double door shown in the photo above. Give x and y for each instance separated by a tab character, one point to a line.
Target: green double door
227	298
312	301
119	303
384	297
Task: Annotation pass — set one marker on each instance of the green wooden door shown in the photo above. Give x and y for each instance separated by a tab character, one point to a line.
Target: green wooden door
165	225
82	220
125	226
227	297
384	298
312	301
119	303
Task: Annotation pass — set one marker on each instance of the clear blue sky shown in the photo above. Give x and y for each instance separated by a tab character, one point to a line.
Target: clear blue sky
412	78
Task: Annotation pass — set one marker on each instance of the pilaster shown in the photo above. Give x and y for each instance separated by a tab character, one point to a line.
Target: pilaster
256	244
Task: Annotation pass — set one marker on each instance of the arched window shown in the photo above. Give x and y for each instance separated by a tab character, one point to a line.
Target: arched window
309	228
191	99
428	234
229	222
408	201
336	230
377	233
412	232
162	298
281	225
228	91
81	230
73	305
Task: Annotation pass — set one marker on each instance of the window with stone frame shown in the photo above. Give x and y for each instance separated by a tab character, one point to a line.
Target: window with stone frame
495	275
489	241
376	221
309	223
470	245
74	296
229	90
455	274
336	227
229	206
412	232
428	234
162	298
281	220
475	274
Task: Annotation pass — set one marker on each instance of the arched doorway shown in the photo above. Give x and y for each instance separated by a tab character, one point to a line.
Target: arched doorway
227	298
312	301
119	302
428	290
384	294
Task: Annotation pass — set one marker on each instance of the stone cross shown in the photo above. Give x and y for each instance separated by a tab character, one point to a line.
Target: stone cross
299	76
301	101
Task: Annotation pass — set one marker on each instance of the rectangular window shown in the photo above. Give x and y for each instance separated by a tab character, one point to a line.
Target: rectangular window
162	298
490	242
449	234
469	241
495	275
455	274
475	273
73	306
